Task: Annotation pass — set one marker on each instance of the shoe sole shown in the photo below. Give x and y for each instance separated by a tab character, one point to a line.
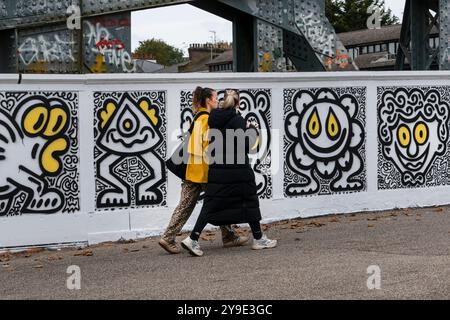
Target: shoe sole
167	249
192	253
262	248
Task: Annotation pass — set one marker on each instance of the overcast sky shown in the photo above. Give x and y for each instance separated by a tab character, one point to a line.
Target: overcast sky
182	25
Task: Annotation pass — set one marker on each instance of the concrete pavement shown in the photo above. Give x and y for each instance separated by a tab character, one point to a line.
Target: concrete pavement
320	258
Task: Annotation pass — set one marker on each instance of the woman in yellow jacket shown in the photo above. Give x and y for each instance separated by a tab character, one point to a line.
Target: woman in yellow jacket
204	100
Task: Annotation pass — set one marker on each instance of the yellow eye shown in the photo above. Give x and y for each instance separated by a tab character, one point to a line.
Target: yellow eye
35	120
333	127
314	125
404	136
421	133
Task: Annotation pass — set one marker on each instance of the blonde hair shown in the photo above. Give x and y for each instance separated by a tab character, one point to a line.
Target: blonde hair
231	99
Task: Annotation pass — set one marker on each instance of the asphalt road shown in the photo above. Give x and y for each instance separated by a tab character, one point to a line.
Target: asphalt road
321	258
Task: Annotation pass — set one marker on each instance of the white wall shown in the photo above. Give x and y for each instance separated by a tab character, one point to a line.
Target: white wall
91	226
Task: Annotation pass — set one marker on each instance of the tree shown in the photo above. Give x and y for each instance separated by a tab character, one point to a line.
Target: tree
162	52
351	15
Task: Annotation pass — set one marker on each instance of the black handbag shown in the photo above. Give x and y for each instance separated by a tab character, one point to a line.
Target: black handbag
177	163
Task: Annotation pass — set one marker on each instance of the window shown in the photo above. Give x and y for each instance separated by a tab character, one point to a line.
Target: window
377	48
370	49
363	50
391	47
384	47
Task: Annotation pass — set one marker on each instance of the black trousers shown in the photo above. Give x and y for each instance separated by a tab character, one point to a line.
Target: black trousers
202	222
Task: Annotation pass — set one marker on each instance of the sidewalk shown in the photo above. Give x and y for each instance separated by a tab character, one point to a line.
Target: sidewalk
320	258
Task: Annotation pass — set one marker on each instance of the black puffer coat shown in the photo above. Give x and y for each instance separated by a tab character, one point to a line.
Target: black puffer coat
231	192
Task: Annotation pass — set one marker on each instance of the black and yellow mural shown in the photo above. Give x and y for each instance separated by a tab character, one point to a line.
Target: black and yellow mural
324	143
39	153
413	137
255	106
130	148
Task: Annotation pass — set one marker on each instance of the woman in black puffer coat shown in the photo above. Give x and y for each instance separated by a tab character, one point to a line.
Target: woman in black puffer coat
231	193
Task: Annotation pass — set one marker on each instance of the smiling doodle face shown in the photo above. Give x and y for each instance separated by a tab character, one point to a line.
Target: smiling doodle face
413	130
324	136
325	129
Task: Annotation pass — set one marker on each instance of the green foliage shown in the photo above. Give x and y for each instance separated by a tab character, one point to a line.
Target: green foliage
351	15
162	52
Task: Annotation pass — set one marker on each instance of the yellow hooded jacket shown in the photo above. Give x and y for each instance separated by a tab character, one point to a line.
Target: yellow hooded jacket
197	167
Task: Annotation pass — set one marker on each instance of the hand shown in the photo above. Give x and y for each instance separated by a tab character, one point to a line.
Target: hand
252	123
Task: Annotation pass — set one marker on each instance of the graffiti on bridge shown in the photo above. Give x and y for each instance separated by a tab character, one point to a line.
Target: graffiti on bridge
45	49
105	47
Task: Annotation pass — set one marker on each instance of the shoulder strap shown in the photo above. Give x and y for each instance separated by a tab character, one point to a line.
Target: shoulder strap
197	116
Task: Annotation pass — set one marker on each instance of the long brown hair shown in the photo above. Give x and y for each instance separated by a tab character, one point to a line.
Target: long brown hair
196	96
199	97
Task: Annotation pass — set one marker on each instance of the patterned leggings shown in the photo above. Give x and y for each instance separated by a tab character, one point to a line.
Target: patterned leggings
190	193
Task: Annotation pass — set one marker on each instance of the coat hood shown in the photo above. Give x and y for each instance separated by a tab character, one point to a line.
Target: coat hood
219	118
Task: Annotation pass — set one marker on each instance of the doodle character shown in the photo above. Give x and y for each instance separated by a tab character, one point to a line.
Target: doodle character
326	136
413	130
129	133
31	144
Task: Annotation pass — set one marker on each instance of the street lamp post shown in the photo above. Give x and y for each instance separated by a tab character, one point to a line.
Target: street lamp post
214	42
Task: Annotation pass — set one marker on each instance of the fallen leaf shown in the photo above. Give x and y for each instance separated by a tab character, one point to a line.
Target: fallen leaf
87	253
393	214
39	266
439	210
370	226
315	224
135	250
334	220
123	241
54	258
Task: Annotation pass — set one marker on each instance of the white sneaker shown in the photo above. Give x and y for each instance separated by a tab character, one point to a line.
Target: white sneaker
192	246
264	243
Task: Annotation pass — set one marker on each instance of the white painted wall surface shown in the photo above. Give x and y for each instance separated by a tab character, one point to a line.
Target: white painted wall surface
90	226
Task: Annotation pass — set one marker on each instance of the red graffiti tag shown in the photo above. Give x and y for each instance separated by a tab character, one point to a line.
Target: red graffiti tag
110	44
